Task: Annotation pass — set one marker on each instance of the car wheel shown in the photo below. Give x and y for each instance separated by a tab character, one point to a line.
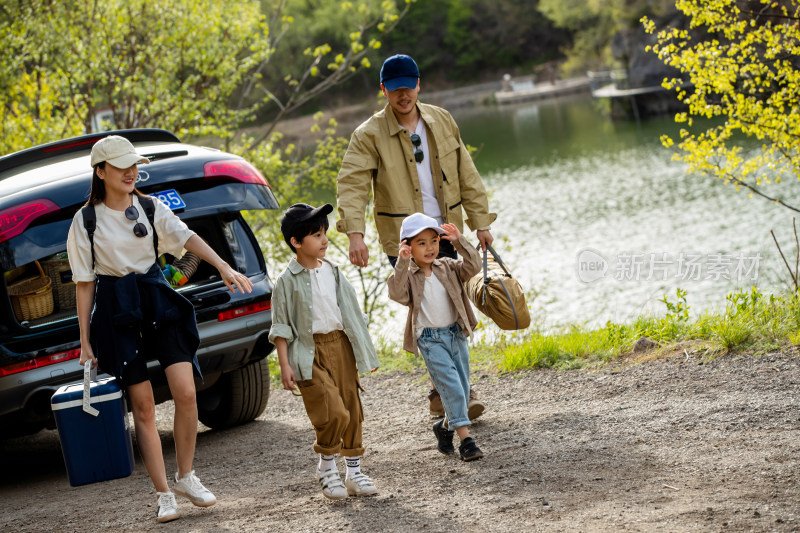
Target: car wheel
238	397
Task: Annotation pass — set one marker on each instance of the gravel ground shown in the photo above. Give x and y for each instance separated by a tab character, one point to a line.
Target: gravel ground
668	445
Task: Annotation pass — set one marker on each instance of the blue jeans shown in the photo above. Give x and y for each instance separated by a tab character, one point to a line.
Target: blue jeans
446	354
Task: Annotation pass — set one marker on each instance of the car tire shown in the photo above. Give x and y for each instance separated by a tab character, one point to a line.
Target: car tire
238	397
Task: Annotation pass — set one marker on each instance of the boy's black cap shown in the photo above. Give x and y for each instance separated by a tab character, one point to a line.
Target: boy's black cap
301	213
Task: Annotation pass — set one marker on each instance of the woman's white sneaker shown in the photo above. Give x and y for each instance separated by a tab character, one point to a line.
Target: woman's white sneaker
331	483
190	487
167	507
360	485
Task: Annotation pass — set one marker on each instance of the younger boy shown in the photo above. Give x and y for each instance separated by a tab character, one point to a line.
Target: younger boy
439	319
321	336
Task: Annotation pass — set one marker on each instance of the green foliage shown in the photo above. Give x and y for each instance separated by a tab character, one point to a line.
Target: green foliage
470	39
170	64
306	71
751	321
593	24
312	179
196	67
738	63
678	311
571	348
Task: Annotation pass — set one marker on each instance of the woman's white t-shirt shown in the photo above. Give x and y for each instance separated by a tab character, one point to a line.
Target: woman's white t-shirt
117	250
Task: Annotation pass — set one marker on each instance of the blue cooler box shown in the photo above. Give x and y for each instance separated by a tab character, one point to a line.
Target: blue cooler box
96	448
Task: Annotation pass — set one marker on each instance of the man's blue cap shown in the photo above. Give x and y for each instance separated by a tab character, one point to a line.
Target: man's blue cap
399	71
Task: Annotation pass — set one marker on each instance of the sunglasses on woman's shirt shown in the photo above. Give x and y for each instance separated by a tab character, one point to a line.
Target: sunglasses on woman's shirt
131	213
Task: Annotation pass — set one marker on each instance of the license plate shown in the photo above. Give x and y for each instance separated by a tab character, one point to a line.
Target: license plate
171	199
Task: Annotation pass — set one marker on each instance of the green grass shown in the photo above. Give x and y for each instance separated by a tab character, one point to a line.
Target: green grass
750	322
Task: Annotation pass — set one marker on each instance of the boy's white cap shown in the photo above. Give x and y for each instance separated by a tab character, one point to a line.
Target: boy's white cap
414	224
116	150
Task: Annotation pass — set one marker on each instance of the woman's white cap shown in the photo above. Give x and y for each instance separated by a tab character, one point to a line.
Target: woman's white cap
414	224
116	150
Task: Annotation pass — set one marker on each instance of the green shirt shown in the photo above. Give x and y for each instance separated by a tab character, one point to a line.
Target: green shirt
292	318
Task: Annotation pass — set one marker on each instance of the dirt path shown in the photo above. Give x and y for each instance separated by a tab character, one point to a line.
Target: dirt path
670	445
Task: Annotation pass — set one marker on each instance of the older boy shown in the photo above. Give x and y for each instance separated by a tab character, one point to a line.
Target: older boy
439	319
322	342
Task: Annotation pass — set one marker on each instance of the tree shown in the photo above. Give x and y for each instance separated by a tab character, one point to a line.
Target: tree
739	67
152	64
307	179
472	39
191	66
593	24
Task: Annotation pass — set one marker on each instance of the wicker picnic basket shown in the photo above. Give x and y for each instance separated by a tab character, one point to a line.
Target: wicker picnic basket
33	297
59	271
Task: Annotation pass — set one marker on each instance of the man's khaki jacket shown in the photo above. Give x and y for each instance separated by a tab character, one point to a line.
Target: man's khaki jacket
380	156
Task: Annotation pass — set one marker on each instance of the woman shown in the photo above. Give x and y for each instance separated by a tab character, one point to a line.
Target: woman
136	314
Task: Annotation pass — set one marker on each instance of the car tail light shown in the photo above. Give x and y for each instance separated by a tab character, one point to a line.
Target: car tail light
233	169
245	310
39	362
67	145
14	220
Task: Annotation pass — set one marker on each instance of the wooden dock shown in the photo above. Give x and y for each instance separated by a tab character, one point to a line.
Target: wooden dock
611	91
526	90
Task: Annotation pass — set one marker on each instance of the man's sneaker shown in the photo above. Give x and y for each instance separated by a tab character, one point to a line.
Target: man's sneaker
444	438
332	486
436	407
167	507
190	487
468	450
475	407
360	485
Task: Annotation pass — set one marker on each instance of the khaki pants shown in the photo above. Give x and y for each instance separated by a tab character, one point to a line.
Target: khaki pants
331	396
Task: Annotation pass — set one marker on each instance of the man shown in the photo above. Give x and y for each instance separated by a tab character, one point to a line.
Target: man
412	157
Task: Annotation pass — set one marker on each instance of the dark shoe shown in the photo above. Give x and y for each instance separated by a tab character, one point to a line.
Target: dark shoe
468	450
475	407
437	409
444	438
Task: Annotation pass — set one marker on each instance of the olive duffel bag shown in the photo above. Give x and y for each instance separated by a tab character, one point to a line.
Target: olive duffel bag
498	295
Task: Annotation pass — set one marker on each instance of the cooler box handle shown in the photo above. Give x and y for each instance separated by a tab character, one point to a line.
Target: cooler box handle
89	374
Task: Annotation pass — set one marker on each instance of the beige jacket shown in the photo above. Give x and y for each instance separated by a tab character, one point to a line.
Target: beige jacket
408	281
381	157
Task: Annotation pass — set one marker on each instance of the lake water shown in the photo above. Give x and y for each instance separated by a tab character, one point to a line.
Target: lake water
601	222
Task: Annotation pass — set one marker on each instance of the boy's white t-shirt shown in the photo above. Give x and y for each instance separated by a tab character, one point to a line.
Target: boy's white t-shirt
325	312
429	202
117	250
435	310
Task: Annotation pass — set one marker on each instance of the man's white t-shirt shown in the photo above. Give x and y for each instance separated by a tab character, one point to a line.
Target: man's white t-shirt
117	250
429	202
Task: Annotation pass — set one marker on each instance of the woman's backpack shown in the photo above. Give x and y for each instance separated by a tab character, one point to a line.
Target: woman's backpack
498	295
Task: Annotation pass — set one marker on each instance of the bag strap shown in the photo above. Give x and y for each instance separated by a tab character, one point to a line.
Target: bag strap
90	223
486	281
496	258
150	211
